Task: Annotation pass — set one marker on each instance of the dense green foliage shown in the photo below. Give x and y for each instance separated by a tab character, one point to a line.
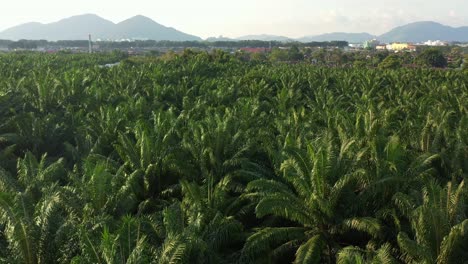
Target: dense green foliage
391	62
32	44
207	159
432	58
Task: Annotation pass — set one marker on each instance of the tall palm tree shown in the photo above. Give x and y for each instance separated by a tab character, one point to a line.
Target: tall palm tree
315	197
439	224
196	232
218	147
152	161
356	255
127	242
34	211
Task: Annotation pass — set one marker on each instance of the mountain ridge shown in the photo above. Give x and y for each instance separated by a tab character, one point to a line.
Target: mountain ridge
413	32
78	27
140	27
423	31
350	37
265	37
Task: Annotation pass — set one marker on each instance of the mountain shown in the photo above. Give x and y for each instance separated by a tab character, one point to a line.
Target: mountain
413	32
265	37
220	38
423	31
141	27
78	28
350	37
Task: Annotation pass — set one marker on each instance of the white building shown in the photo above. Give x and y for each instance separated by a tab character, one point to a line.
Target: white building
381	47
371	44
356	45
437	43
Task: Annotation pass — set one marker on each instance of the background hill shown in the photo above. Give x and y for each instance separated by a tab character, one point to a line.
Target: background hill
350	37
414	32
423	31
220	38
78	28
265	37
140	27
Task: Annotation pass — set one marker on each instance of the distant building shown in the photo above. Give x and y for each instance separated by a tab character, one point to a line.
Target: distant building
400	46
381	47
371	44
255	50
435	43
397	46
412	47
356	45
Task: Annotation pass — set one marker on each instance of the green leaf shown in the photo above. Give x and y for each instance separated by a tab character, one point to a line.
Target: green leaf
454	247
266	239
310	252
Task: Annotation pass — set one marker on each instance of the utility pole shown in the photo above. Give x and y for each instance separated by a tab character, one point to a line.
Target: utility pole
90	45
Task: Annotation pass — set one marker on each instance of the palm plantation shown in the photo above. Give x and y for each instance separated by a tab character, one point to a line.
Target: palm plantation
203	158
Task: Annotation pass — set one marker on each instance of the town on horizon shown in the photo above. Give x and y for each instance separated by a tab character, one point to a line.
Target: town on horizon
141	34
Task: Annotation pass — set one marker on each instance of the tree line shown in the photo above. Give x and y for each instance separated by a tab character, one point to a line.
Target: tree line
33	44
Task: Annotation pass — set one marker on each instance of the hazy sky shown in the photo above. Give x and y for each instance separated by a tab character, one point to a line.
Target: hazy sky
205	18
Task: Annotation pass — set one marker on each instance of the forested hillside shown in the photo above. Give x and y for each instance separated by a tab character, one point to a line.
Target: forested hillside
203	158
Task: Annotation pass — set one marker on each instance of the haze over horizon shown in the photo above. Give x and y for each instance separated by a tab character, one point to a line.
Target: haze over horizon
210	18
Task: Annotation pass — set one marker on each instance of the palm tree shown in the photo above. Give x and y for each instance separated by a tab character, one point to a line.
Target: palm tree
315	196
152	162
34	211
127	242
439	224
356	255
197	232
218	148
104	188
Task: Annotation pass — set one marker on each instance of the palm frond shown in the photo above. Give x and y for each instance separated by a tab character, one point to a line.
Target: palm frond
281	205
266	239
368	225
454	247
310	252
411	251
